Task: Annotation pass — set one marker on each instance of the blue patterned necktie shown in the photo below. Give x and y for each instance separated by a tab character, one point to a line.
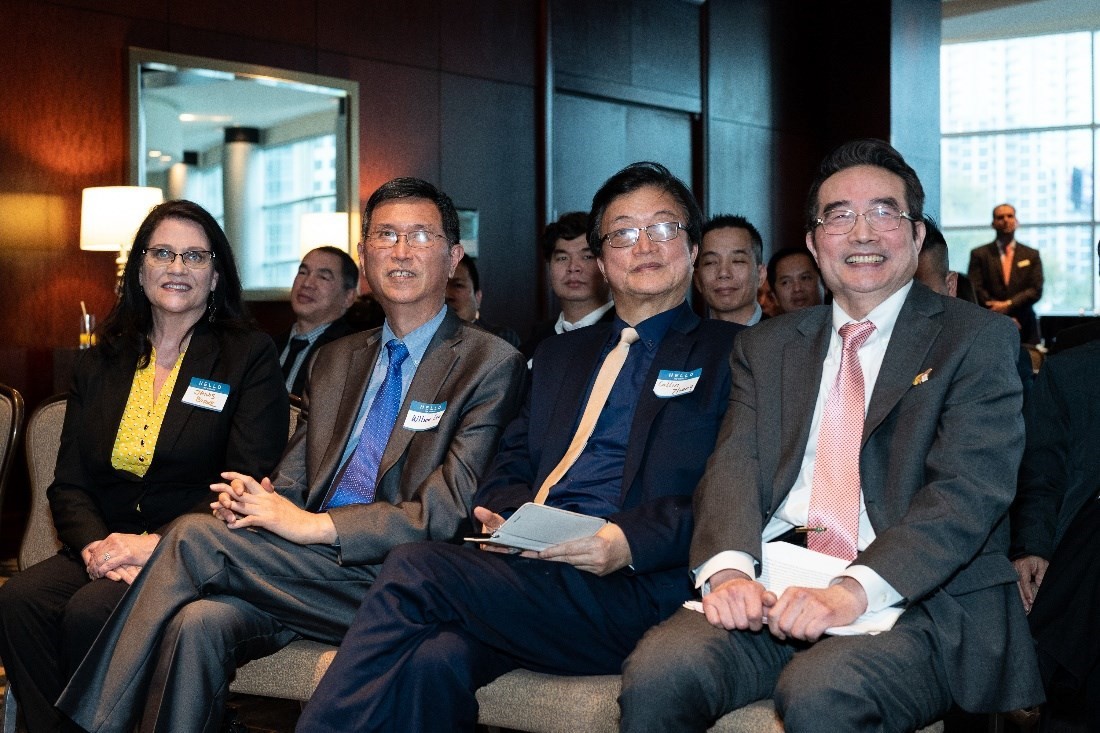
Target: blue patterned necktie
356	484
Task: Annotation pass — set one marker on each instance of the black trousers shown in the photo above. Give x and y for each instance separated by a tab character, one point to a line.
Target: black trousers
49	616
443	620
1063	622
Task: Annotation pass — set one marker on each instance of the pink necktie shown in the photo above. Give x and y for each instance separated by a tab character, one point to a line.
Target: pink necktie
1006	261
834	499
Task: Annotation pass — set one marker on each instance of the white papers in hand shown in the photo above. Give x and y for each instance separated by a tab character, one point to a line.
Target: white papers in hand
537	526
786	565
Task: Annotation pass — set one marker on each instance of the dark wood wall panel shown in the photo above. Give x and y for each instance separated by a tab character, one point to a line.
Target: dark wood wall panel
405	32
495	174
399	121
740	179
490	39
289	22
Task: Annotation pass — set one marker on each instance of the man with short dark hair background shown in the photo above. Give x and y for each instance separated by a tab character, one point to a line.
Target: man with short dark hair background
575	279
397	425
1007	276
323	290
861	430
795	279
456	619
731	268
464	297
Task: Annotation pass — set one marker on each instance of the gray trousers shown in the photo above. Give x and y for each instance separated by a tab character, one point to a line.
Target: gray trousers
210	599
685	674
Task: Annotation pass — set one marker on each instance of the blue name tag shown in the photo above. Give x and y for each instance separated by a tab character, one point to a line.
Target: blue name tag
674	384
424	415
207	394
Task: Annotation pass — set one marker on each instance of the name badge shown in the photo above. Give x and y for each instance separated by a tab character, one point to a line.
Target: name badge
206	394
424	416
674	384
1023	263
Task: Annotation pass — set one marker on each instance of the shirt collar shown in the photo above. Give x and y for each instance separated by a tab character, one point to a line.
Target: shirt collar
884	315
757	314
416	341
562	325
310	336
653	329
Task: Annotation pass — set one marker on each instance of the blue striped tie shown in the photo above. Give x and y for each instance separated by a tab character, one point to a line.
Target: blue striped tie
357	483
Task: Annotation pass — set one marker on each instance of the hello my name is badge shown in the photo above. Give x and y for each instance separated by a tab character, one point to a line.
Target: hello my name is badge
674	384
207	394
424	415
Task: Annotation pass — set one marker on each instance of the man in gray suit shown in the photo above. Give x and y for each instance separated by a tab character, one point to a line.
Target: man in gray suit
923	486
292	556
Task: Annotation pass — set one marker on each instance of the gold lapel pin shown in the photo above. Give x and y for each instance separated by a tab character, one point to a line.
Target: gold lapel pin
922	377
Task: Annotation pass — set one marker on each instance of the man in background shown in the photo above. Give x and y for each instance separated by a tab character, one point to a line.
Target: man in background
730	269
575	278
464	297
795	279
323	290
1008	276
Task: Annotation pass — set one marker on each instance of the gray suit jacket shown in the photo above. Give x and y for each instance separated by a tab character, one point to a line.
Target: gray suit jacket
937	480
426	478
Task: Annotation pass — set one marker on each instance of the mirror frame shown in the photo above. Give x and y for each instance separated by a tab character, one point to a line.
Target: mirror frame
139	57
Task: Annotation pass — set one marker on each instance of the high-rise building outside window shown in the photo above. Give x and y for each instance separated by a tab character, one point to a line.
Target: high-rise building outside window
1020	124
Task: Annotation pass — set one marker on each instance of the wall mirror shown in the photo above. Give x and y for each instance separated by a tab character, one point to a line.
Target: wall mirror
260	148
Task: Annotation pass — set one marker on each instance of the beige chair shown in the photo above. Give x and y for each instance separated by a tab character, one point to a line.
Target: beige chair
43	439
543	703
11	425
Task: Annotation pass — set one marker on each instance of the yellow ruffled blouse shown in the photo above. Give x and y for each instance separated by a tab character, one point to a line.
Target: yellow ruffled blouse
142	418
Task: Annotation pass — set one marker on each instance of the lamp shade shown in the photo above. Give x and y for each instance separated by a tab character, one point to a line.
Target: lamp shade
111	215
319	229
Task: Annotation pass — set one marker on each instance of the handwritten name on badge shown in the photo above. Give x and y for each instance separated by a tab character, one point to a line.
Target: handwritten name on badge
206	394
674	384
424	416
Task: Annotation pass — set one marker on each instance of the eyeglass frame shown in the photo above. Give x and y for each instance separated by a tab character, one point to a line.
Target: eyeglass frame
606	238
372	237
820	221
182	255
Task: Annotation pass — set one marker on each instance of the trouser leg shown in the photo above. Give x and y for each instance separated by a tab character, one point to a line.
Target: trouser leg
32	604
894	681
539	615
686	673
303	587
202	646
85	615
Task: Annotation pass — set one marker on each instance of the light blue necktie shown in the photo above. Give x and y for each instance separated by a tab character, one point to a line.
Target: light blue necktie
356	484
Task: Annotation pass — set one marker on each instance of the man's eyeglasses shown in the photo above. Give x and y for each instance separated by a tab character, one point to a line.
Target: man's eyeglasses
881	218
387	238
628	237
195	259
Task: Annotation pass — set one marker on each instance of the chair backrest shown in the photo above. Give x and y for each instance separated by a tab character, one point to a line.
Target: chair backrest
43	440
11	423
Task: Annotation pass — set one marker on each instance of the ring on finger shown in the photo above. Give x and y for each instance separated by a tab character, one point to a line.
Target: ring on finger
106	556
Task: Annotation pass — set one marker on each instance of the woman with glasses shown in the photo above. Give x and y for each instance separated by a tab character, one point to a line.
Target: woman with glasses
179	388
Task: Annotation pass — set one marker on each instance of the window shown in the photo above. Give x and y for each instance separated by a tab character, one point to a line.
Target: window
297	178
1020	124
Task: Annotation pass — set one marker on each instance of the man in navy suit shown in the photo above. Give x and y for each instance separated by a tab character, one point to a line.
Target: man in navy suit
439	624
